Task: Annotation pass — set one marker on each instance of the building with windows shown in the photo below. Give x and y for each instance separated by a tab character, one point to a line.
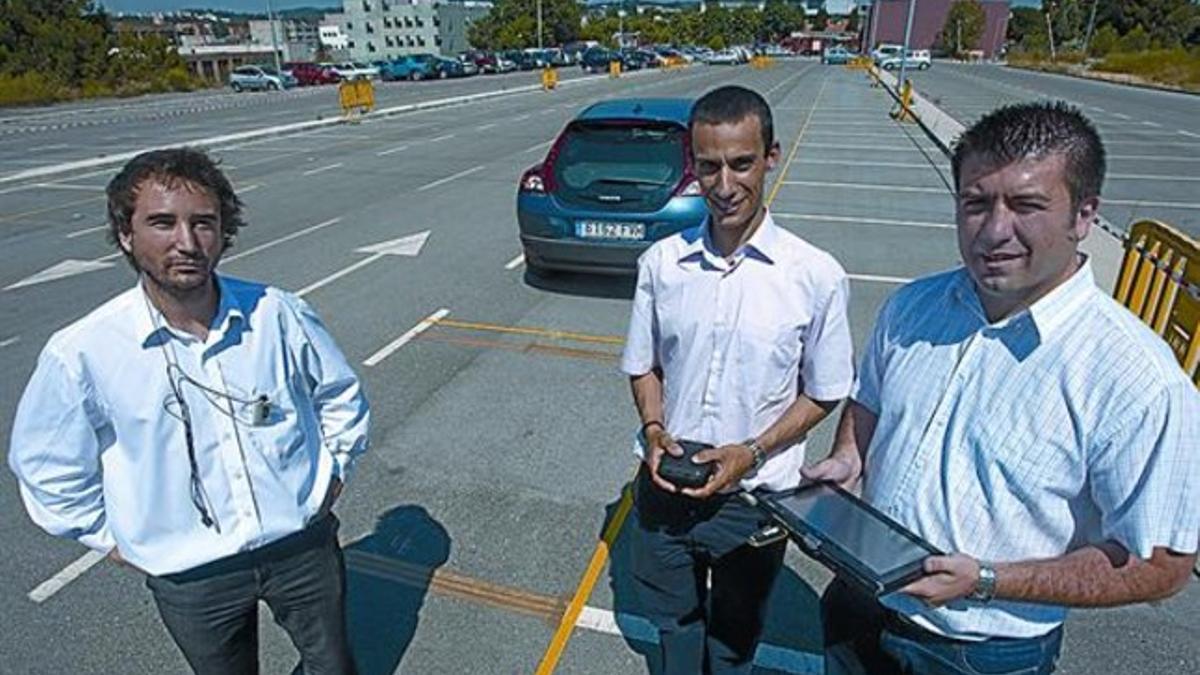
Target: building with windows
886	24
385	29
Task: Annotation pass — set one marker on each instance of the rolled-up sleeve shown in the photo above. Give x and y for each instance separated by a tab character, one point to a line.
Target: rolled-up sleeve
55	454
1145	475
336	391
827	366
641	343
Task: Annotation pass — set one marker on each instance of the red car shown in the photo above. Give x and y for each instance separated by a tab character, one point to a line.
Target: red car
308	74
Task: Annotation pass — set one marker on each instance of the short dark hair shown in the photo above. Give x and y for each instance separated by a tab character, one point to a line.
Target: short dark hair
1034	131
732	104
172	166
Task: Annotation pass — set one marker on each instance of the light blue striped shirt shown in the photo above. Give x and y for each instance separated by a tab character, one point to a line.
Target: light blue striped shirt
1065	424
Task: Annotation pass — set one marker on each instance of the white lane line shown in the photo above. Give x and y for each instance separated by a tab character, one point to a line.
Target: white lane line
1121	116
8	342
1188	133
338	274
484	127
515	262
440	138
539	146
424	325
65	186
1156	158
1156	125
447	179
850	162
89	230
866	186
313	172
56	583
110	256
856	220
389	151
876	148
249	188
1164	205
288	237
1147	176
520	118
879	279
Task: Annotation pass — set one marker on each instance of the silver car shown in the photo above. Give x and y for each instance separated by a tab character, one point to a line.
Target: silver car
260	78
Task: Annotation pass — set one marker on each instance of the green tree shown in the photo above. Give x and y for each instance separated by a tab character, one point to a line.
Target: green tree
780	19
1136	40
820	20
964	27
1023	23
512	24
1104	41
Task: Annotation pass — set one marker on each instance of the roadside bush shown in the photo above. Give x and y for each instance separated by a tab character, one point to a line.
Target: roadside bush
179	79
1104	41
1136	40
29	89
1170	66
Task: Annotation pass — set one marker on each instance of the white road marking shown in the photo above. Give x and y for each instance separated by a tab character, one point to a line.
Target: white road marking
440	138
1156	158
1156	125
447	179
8	342
879	279
484	127
857	220
424	325
66	186
1147	176
1164	205
866	186
1188	133
539	146
1121	116
288	237
515	262
389	151
89	230
313	172
248	188
520	118
338	275
56	583
409	245
876	148
849	162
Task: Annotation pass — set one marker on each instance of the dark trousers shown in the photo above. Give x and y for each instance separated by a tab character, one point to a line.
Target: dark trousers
864	638
676	544
212	611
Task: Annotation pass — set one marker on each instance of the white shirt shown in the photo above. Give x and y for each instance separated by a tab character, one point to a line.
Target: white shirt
737	341
1065	424
101	457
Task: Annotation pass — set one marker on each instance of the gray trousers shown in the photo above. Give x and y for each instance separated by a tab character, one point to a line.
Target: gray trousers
212	611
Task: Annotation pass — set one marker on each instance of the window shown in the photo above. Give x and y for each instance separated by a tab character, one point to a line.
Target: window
370	28
370	46
387	23
388	40
639	164
366	6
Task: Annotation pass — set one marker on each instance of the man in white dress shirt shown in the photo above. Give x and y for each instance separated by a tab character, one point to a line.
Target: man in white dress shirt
738	339
198	428
1015	416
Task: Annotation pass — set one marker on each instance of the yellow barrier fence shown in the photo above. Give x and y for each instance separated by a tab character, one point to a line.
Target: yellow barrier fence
614	68
356	95
673	62
859	63
761	62
549	78
903	112
1160	283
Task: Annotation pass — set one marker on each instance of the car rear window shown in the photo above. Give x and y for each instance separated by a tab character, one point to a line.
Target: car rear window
628	164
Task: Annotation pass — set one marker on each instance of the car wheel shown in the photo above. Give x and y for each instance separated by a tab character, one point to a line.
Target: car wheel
414	76
923	66
273	86
442	75
236	87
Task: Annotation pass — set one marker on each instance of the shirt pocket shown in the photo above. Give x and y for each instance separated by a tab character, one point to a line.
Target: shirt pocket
768	359
282	434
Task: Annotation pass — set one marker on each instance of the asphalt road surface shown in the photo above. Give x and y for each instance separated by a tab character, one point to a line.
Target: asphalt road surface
502	426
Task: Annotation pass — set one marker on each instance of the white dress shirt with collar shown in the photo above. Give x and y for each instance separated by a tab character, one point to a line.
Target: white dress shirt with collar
737	340
99	450
1065	424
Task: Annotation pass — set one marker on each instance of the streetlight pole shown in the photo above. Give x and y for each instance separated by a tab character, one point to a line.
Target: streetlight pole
274	43
539	40
1087	39
621	29
907	36
1050	31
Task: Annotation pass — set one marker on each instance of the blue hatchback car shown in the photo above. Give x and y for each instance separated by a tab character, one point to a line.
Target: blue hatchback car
618	178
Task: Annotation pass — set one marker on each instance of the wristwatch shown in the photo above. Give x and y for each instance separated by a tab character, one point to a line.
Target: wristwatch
985	587
760	455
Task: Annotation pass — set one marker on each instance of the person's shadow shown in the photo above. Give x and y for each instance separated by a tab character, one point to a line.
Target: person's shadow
388	573
791	639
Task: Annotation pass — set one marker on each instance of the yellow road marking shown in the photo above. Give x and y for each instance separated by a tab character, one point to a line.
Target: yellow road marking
540	332
796	146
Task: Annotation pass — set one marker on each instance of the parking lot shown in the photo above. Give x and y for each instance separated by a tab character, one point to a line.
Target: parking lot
502	427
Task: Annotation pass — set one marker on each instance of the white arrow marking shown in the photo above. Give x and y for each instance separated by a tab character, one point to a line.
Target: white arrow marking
67	268
406	246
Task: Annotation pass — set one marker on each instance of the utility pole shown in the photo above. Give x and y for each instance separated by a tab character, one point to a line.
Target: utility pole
1087	38
274	42
1050	31
539	40
912	4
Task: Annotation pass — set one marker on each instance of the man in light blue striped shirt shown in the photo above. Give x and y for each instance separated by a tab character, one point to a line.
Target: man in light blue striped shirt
1016	417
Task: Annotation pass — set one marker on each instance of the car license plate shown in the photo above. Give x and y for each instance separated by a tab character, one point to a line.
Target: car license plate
598	229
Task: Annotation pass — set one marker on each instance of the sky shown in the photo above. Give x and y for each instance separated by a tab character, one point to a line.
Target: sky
261	5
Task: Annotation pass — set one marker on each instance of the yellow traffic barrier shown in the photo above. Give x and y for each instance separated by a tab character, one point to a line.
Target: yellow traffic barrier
614	68
356	95
859	63
904	113
761	62
549	78
673	63
1160	283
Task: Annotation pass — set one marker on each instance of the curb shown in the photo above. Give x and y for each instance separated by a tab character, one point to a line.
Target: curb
253	134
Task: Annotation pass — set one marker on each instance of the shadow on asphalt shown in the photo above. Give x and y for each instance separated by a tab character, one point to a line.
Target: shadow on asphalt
587	285
388	573
793	615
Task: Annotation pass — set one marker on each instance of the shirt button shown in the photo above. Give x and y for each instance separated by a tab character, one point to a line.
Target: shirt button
246	513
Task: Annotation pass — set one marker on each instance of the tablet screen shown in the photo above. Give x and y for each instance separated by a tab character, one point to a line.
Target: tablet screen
875	543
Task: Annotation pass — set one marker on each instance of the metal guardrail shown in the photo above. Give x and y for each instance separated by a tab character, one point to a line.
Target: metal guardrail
1160	283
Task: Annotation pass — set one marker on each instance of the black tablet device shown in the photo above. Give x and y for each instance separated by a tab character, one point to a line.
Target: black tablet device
849	536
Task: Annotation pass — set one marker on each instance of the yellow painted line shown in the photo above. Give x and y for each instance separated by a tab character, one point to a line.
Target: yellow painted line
796	146
540	332
599	557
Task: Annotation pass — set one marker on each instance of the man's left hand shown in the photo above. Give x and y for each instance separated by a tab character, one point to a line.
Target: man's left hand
732	461
947	578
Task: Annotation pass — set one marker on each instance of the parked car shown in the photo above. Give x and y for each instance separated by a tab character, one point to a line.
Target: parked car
884	51
412	67
618	178
917	58
596	60
355	70
836	56
725	57
259	78
490	63
309	74
455	68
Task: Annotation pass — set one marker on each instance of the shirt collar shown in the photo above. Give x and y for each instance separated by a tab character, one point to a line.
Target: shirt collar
762	246
150	321
1050	312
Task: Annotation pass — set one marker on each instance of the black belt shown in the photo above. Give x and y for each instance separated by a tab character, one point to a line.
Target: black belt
313	534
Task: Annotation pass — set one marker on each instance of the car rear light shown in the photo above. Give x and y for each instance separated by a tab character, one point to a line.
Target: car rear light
532	180
689	185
